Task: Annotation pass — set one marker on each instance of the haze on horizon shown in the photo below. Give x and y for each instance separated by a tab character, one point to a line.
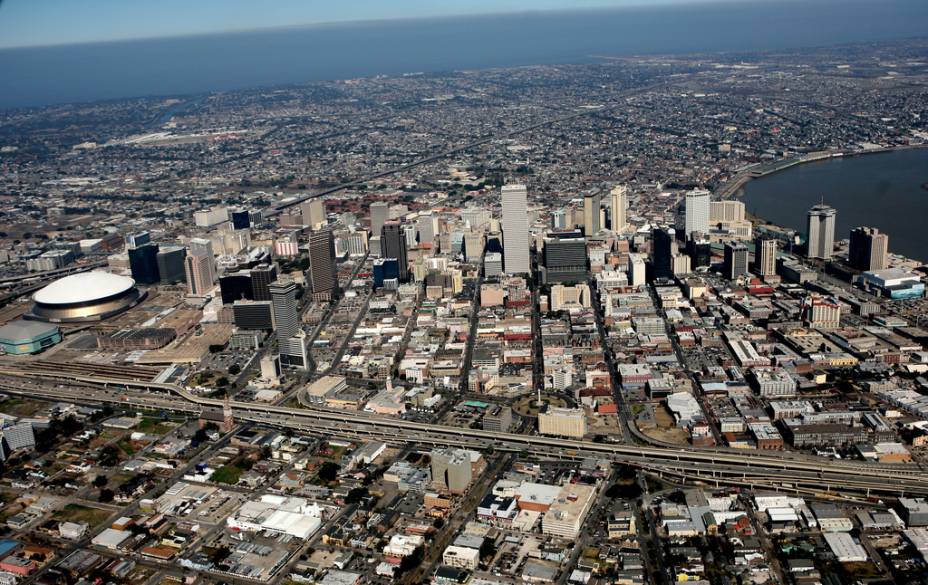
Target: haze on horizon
208	49
27	23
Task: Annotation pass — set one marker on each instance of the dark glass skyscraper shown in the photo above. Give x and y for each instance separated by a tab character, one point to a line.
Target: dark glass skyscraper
565	258
170	260
322	274
662	249
143	262
393	244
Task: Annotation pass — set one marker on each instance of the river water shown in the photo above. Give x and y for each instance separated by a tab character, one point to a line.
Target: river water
883	190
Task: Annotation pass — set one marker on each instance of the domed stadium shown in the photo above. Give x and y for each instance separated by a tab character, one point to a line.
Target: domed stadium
87	296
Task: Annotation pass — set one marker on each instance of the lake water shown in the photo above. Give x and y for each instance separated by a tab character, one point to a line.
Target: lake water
882	190
196	64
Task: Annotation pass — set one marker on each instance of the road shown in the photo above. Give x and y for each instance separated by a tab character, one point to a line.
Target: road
786	471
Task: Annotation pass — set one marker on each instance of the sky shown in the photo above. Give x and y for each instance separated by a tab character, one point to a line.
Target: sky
25	23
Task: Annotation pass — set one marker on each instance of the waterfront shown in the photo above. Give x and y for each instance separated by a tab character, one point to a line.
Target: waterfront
882	190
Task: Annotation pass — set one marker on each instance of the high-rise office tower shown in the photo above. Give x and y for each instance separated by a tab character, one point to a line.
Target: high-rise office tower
591	205
427	226
286	319
253	315
565	258
697	212
313	211
473	246
558	219
380	212
199	266
170	261
261	278
393	244
618	205
357	243
726	212
636	269
736	260
869	249
291	341
143	262
663	248
820	233
699	250
235	286
322	274
765	256
241	219
515	229
138	239
451	470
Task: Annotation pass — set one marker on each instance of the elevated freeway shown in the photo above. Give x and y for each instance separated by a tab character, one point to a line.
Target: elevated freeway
773	470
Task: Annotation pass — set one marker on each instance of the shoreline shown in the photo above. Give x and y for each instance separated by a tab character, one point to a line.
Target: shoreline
730	188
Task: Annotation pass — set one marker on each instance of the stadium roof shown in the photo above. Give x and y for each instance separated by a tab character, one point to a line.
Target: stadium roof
82	288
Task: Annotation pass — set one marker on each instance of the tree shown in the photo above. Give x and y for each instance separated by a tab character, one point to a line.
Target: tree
106	495
487	549
235	369
410	562
109	456
328	471
100	481
356	495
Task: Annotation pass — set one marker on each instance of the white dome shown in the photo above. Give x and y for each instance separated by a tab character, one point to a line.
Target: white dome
84	287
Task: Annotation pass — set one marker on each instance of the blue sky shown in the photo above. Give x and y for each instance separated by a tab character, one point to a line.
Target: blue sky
49	22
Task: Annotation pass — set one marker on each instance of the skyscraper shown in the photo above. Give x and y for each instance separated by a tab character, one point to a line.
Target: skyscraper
322	275
201	272
591	205
143	262
619	203
313	211
427	226
558	219
736	260
380	211
261	278
451	470
241	219
393	244
283	295
565	258
699	250
820	233
292	342
697	212
170	261
765	256
138	239
663	248
515	229
868	249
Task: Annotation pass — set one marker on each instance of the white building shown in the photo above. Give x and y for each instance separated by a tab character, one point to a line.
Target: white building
697	212
211	217
297	517
617	208
820	232
515	229
566	515
461	557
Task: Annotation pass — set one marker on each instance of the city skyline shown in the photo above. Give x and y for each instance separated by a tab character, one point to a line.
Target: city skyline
581	322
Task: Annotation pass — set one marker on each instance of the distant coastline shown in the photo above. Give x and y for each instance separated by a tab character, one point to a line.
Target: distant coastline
732	188
887	193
